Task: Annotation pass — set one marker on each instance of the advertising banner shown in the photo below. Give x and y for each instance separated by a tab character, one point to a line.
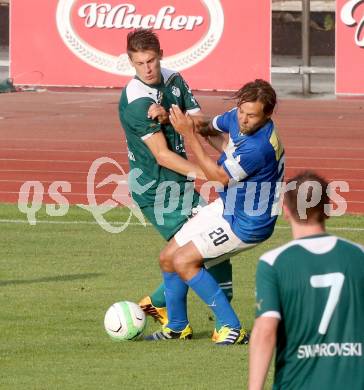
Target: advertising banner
216	44
350	47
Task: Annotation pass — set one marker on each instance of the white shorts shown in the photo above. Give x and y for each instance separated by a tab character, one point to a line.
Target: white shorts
212	235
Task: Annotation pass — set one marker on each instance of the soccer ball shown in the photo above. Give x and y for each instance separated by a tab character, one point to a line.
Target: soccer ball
124	321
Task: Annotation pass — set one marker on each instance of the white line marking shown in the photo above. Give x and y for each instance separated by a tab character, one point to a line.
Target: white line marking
330	228
29	150
324	158
101	93
324	147
66	193
80	101
88	162
22	221
7	139
45	182
109	194
54	140
64	150
41	171
46	160
328	169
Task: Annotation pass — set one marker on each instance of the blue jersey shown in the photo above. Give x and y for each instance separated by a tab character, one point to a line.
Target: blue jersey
255	163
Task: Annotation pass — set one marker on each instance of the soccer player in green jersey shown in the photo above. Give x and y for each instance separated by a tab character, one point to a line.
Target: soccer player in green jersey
157	152
309	301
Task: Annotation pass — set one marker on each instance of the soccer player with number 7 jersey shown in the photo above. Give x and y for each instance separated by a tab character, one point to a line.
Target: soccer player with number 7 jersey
248	170
309	301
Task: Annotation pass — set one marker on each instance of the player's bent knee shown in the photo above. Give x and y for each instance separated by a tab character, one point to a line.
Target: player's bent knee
180	263
165	260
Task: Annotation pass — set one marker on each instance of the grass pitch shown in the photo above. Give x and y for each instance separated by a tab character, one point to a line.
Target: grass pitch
58	278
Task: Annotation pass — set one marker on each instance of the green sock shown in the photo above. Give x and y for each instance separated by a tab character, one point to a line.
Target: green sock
223	274
157	297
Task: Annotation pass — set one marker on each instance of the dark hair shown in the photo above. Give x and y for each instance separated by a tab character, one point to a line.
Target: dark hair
142	39
257	90
314	186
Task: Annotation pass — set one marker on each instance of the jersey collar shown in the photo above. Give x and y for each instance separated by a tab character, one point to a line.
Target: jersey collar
319	235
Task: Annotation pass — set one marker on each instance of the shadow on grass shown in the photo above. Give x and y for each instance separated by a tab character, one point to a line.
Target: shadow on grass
63	278
202	335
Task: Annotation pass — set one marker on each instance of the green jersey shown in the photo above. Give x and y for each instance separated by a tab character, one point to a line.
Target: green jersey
136	98
315	286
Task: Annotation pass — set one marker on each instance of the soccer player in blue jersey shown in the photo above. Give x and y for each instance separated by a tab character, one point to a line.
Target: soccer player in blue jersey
249	168
309	301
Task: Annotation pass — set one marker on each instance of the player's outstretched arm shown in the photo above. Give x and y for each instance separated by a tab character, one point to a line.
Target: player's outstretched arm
168	159
184	125
261	347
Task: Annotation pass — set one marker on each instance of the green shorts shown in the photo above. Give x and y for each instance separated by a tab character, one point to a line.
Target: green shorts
169	222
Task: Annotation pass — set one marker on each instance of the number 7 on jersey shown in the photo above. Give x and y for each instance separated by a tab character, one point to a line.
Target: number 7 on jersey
335	281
